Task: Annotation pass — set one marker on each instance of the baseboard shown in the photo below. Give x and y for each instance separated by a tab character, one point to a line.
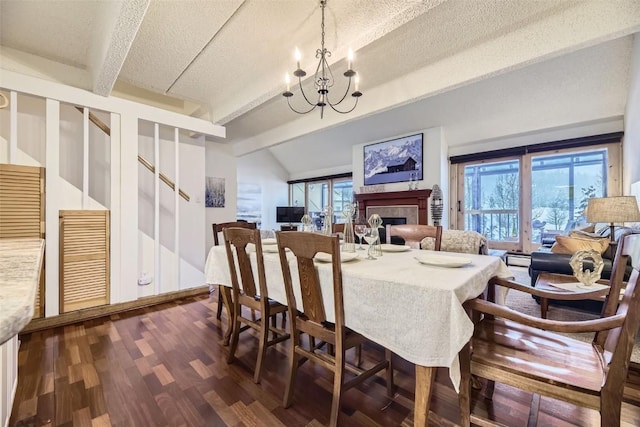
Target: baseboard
107	310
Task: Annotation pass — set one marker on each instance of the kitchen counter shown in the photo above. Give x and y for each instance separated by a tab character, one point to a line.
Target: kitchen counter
20	265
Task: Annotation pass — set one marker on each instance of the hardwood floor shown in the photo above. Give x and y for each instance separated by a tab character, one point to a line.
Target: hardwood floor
166	366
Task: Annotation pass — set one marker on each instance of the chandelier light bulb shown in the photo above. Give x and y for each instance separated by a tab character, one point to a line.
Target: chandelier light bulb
349	59
357	79
298	57
287	80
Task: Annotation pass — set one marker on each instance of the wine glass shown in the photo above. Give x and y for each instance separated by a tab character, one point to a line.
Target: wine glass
360	230
371	236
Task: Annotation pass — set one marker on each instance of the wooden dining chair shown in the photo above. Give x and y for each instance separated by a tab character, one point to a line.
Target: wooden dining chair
246	294
526	352
414	233
218	228
337	228
328	339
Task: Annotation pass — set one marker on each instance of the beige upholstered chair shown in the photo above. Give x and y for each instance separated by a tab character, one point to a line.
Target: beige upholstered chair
468	242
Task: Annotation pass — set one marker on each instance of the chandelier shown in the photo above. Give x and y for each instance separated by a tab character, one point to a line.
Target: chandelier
323	79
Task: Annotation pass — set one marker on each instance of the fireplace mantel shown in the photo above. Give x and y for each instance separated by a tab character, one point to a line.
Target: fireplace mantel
417	198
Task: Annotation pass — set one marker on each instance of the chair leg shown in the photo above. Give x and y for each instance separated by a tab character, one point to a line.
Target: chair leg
610	408
534	410
388	355
359	355
228	303
219	309
274	323
338	380
262	347
293	369
464	396
489	388
284	320
235	334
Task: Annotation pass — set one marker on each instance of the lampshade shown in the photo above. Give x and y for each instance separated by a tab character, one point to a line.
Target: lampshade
613	209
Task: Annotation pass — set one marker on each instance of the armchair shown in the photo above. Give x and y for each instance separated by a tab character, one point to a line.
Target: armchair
525	351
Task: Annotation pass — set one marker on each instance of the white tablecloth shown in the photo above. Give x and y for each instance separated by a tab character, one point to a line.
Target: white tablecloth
414	310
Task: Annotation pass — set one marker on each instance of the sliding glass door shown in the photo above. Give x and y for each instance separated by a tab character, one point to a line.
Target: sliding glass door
521	202
561	185
492	201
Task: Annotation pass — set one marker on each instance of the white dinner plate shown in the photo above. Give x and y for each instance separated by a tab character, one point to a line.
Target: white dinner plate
269	241
394	248
344	256
442	260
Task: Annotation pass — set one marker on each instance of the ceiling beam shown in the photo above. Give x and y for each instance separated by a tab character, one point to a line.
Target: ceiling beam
117	24
583	25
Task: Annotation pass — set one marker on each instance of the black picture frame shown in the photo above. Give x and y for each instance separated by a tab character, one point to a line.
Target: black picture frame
395	160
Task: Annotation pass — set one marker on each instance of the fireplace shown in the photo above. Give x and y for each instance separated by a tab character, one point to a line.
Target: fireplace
393	220
411	205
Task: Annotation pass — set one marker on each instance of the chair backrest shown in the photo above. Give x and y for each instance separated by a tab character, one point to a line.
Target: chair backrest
462	241
337	228
618	343
414	233
304	247
217	228
288	227
236	241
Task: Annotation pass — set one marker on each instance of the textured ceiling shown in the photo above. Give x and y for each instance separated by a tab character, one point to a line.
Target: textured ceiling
481	69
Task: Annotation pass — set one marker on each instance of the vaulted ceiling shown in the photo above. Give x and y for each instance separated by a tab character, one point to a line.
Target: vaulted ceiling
481	69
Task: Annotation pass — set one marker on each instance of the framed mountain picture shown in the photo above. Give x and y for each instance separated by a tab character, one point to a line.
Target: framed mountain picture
396	160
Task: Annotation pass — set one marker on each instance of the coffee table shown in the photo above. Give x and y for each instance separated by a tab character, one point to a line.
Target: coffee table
545	282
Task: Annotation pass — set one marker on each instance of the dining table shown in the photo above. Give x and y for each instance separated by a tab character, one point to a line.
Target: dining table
409	301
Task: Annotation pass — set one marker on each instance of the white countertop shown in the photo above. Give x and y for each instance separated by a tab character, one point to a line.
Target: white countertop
20	265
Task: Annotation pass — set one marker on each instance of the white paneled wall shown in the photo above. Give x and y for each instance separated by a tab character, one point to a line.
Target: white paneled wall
87	169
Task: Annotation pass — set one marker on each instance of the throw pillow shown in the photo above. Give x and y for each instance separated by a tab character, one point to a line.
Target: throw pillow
571	245
588	228
585	234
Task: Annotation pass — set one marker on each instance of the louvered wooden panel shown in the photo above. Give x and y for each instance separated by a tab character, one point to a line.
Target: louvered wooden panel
22	210
84	259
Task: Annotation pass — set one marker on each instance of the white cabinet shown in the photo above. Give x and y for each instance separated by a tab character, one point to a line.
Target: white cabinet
8	377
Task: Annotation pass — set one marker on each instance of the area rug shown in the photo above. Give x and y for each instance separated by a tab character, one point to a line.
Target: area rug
524	303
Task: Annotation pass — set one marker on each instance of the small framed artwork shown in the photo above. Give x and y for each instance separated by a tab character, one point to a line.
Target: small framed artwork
214	193
396	160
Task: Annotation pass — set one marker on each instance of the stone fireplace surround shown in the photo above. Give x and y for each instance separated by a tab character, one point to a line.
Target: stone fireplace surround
411	205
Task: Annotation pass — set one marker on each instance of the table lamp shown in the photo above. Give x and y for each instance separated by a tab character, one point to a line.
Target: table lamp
613	209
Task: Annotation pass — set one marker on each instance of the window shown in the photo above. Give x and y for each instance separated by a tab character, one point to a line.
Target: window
518	202
316	194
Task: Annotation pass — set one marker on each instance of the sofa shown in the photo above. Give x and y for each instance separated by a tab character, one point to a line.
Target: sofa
546	260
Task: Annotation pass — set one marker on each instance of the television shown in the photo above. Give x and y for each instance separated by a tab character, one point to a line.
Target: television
289	214
395	160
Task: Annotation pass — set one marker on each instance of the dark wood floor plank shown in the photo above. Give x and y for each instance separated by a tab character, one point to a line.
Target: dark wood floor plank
166	366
